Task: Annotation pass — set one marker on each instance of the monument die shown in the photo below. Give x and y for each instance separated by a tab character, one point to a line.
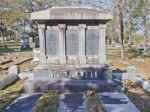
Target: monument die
72	43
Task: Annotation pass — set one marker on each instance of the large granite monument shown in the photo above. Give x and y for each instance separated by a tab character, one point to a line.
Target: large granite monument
71	38
72	49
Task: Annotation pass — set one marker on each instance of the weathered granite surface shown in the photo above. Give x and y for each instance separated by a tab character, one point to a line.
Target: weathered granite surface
24	103
64	84
4	82
117	102
72	103
14	69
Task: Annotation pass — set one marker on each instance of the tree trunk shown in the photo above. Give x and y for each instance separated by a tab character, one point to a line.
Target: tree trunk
36	29
120	28
1	31
130	25
145	38
130	35
145	28
3	39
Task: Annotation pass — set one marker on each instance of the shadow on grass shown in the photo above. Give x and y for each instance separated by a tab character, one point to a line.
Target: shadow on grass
119	71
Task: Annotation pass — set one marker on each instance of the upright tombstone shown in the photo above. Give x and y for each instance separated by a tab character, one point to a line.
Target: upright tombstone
72	42
30	39
36	51
25	42
36	40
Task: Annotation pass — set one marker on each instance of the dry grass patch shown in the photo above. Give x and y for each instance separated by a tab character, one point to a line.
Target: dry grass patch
48	103
117	66
138	96
93	103
8	95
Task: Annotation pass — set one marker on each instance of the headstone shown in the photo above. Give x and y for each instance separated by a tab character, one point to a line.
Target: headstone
27	69
117	102
72	42
30	39
25	42
72	103
25	103
13	57
132	70
138	60
36	55
2	57
14	69
52	42
92	42
36	39
107	42
113	43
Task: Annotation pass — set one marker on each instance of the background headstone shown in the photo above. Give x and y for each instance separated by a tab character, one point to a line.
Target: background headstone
25	42
36	39
30	39
14	69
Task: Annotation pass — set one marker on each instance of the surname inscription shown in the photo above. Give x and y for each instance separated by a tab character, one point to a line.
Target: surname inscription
92	42
52	42
72	42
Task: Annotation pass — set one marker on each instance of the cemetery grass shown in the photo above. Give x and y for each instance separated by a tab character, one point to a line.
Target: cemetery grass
9	94
11	47
48	103
137	95
93	102
22	68
117	66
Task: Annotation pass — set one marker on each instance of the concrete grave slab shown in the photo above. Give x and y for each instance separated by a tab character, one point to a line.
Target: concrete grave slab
25	103
72	103
117	102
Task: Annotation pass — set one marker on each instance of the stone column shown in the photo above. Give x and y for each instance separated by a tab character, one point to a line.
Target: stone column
102	56
62	55
41	28
82	56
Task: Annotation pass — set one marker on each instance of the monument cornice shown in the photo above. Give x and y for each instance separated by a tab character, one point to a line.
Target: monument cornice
71	13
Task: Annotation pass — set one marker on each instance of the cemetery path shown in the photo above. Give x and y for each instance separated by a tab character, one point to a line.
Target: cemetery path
25	103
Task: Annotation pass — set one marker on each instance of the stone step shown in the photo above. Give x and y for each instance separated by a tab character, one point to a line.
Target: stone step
25	103
72	103
117	102
72	85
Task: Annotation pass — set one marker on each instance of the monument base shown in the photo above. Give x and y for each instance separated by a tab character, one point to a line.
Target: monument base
86	72
72	85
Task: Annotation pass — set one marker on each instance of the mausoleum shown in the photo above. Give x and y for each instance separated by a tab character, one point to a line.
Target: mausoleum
71	40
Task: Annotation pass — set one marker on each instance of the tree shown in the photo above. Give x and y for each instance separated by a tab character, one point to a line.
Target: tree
119	4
